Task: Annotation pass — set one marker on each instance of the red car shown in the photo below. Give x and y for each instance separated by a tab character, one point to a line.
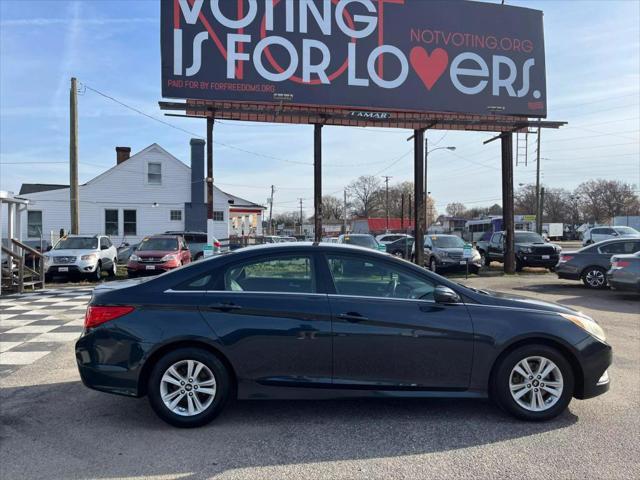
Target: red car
158	254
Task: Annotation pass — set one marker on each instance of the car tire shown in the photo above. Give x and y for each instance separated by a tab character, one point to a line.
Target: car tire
97	275
519	265
594	277
474	269
114	269
432	265
132	274
198	257
485	259
204	406
546	405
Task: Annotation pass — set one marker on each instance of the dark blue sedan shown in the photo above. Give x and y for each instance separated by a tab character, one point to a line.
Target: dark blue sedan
302	320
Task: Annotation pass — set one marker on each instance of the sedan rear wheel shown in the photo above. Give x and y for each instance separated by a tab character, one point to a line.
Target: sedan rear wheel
534	382
188	387
432	265
595	277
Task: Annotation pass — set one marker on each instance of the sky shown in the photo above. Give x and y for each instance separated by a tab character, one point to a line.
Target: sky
113	46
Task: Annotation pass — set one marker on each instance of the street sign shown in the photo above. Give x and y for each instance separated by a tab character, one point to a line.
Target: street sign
467	251
207	251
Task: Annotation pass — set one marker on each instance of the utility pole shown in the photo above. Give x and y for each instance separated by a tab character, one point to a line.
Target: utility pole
426	194
386	181
73	158
271	210
344	214
541	210
210	121
402	211
538	209
300	216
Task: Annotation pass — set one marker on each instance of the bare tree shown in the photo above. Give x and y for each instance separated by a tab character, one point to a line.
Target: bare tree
456	209
600	200
525	200
332	208
288	219
366	193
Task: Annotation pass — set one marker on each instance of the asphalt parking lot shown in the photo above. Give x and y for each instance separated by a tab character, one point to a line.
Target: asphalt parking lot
53	427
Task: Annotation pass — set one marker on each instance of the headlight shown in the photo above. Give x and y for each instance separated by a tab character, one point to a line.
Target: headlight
587	324
169	257
134	258
444	254
47	259
526	250
91	256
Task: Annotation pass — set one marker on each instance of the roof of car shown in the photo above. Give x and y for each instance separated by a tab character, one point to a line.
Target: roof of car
307	245
163	235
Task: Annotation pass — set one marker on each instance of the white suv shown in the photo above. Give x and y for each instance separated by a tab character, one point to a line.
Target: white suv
77	255
598	234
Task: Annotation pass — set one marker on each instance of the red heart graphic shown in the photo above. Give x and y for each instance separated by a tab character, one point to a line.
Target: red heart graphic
429	67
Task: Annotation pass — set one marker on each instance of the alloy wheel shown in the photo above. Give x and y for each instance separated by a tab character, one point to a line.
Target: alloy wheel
536	383
595	278
188	388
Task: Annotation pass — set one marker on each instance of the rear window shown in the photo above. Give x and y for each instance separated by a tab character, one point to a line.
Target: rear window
626	231
361	241
166	244
79	243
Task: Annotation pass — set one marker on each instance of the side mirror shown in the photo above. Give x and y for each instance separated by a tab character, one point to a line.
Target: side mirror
444	294
49	248
103	247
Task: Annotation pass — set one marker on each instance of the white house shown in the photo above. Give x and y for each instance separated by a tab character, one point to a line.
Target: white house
149	192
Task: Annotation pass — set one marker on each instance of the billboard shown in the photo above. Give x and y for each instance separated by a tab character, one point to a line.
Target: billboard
397	55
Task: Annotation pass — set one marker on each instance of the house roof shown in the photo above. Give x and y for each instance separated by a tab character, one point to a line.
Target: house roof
26	188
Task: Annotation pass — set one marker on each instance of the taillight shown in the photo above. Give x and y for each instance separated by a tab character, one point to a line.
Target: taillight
620	264
97	315
217	244
565	258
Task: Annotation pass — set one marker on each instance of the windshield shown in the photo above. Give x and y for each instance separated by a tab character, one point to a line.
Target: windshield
447	242
77	243
361	241
626	231
529	237
166	244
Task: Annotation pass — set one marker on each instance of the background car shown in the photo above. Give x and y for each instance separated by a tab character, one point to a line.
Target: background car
401	248
530	248
590	263
446	252
196	241
357	323
361	240
387	238
125	251
624	273
81	255
158	254
598	234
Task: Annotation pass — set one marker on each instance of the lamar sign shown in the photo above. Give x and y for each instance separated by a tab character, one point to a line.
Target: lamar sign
399	55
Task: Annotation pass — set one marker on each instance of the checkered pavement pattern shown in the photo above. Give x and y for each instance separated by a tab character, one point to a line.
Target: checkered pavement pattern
34	324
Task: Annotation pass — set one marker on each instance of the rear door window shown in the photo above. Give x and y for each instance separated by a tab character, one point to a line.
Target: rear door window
283	274
620	247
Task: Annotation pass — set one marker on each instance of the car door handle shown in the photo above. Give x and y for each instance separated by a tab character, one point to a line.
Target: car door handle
352	317
224	307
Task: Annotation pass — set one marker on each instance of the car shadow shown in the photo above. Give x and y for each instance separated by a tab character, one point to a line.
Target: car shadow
110	436
581	296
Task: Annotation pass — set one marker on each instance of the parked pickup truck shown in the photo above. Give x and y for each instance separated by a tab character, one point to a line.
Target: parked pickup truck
531	250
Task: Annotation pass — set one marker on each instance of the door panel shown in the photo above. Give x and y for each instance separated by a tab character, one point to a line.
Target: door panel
401	343
388	332
273	338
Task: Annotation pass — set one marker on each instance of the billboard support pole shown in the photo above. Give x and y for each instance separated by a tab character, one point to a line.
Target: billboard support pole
210	121
507	202
73	158
317	181
418	194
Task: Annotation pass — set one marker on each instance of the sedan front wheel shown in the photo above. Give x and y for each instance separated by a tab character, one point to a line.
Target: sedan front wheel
533	382
595	277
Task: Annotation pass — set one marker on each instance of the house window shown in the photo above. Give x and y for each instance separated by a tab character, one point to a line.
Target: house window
111	222
129	222
218	216
154	173
34	223
175	215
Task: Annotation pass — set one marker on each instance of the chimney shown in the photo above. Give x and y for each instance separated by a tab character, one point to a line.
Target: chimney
197	171
122	154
